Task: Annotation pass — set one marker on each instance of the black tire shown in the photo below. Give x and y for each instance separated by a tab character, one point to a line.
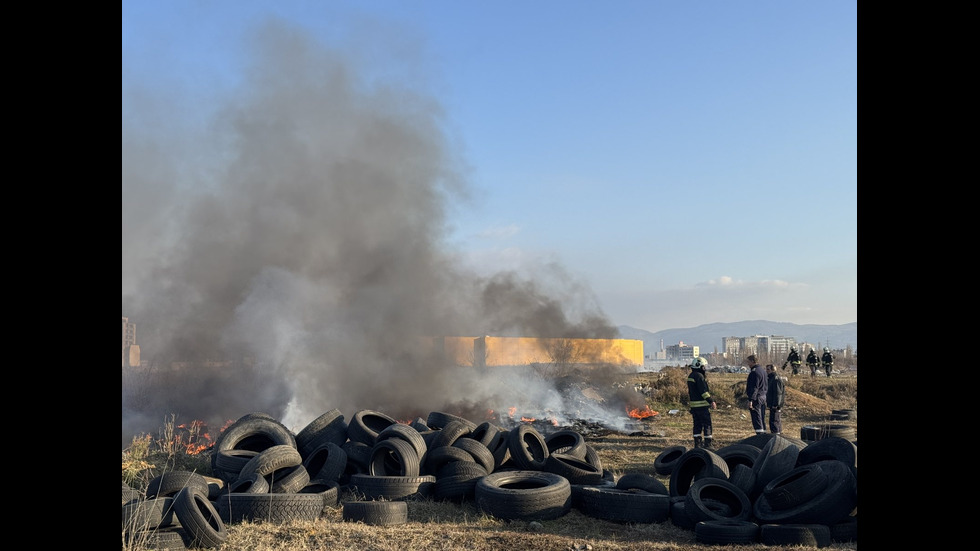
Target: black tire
329	490
276	508
393	457
817	535
437	458
358	453
739	454
461	468
624	506
171	482
327	462
229	463
199	519
667	459
147	514
328	427
777	457
678	514
819	432
849	414
449	434
460	487
717	499
440	419
256	434
759	439
576	470
642	481
568	442
695	464
393	488
487	434
528	449
129	494
744	477
481	454
288	480
832	505
377	513
366	424
845	530
832	447
592	458
526	495
577	490
409	435
796	486
165	539
249	484
726	531
271	460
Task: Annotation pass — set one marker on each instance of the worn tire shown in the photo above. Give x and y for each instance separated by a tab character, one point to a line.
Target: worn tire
526	495
845	530
717	499
830	506
408	434
458	487
366	424
171	538
832	447
327	427
147	514
725	532
377	513
199	519
817	535
327	489
624	506
171	482
576	470
642	481
796	486
393	457
440	419
229	463
256	434
665	461
777	457
449	434
568	442
739	454
276	508
327	462
439	457
481	454
358	453
288	480
393	488
695	464
744	477
528	449
271	460
487	434
250	484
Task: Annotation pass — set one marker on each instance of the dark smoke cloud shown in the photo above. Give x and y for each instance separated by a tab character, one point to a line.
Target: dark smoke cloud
297	234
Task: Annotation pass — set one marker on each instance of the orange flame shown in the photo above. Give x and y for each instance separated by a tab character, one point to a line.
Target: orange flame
511	411
641	413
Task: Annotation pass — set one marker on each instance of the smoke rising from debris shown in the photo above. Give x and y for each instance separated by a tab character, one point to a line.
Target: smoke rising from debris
295	239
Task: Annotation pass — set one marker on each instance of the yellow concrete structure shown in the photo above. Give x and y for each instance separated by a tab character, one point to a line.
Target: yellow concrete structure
515	351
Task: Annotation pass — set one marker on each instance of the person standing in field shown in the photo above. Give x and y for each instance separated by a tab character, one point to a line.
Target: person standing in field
775	398
827	360
701	403
756	387
793	360
812	361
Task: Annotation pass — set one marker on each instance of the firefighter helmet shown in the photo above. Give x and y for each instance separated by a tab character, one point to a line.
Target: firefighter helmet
699	363
792	349
826	349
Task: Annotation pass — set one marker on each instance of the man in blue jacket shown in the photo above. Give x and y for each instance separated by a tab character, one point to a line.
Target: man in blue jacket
755	388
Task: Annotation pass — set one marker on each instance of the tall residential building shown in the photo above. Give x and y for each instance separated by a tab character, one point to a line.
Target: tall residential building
684	352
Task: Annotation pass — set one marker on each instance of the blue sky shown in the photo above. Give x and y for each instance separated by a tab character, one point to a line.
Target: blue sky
690	162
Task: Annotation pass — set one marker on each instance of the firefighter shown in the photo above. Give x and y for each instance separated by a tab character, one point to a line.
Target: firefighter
812	361
701	403
827	361
793	360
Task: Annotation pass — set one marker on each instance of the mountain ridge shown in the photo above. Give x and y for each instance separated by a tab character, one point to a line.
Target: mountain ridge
709	337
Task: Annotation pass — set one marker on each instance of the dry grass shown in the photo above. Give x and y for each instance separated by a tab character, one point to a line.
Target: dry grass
449	526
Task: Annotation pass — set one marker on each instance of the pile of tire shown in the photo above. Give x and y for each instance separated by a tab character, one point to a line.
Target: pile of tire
766	489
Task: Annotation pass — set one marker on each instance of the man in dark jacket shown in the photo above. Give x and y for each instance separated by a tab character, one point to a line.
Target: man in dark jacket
775	397
827	360
756	387
701	403
793	360
812	361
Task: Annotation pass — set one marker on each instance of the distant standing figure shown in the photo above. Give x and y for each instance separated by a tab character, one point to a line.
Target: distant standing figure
812	361
827	360
756	387
700	401
775	398
793	360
